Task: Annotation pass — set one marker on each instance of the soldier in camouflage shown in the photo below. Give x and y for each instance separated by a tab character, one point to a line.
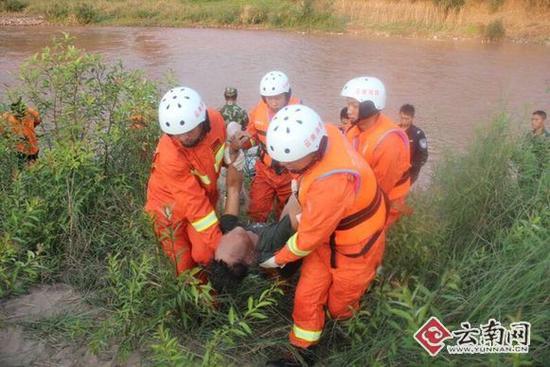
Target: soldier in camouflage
231	111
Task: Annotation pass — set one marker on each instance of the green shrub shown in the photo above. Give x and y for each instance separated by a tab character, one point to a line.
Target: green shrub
167	351
495	30
227	16
146	13
449	5
13	5
86	14
57	11
252	14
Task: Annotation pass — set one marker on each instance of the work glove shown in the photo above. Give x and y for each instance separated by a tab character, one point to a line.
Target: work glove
270	263
238	163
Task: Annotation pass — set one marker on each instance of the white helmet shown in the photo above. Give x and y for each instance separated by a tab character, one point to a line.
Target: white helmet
181	110
366	88
294	132
274	83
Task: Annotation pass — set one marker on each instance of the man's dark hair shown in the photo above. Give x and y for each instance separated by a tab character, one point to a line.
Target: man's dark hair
344	113
541	114
225	278
407	109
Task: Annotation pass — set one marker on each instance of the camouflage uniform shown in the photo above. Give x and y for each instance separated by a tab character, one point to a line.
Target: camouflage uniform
234	112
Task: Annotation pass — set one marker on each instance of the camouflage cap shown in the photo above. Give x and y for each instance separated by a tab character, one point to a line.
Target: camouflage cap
230	92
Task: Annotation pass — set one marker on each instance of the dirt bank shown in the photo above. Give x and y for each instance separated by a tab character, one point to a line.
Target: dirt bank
19	346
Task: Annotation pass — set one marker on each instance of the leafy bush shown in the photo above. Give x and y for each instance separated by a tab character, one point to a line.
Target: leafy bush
57	11
495	30
13	5
86	14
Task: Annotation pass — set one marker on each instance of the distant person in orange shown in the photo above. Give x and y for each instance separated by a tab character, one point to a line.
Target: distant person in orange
137	121
379	140
345	123
340	235
272	181
22	121
182	190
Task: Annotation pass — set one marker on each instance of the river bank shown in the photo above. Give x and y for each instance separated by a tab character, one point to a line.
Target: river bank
515	20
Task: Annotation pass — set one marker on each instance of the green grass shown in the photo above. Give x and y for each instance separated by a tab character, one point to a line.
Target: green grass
476	247
307	14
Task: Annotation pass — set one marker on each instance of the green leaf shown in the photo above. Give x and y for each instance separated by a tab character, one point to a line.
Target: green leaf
231	315
245	327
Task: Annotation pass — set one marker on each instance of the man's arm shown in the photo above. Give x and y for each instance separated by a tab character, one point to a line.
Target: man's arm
233	185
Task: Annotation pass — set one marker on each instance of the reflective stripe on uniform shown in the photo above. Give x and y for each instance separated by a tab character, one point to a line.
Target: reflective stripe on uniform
219	157
205	222
307	335
399	133
204	178
293	246
354	173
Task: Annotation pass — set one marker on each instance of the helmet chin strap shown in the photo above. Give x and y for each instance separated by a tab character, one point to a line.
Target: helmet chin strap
317	156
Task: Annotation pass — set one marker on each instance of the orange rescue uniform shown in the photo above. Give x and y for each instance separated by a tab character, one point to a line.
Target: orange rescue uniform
182	194
340	237
25	129
270	180
385	147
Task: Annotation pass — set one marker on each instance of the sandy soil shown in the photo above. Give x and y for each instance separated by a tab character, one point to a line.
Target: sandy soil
20	348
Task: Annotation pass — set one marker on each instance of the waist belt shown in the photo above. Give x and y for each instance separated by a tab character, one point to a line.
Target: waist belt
403	178
356	219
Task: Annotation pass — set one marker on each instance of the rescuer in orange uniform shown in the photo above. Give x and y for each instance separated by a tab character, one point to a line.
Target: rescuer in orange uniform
340	236
271	180
22	122
182	192
379	140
